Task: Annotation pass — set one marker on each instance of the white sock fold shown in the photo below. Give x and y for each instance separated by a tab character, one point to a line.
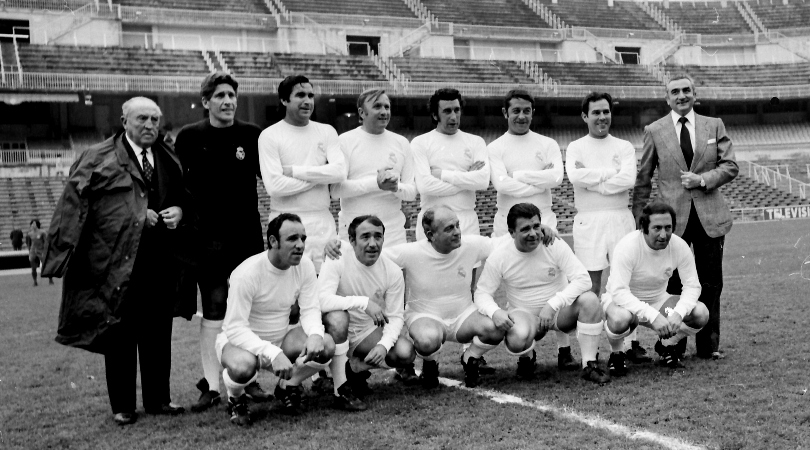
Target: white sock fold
338	365
526	352
616	340
209	329
588	335
683	332
477	349
432	356
235	389
628	341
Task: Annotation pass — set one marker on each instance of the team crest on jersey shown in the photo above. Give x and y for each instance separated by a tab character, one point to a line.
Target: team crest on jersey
321	147
668	311
392	157
462	273
552	272
240	153
539	156
468	153
668	272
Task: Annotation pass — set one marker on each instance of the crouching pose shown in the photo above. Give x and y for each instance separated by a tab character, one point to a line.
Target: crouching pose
256	330
362	298
547	288
637	288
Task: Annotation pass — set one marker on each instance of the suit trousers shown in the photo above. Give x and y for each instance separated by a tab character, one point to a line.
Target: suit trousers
709	263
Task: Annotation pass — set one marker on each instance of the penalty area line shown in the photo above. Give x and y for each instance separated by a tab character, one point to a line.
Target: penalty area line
591	420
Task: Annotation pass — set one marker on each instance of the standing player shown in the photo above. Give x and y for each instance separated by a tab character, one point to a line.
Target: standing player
299	158
644	261
525	165
256	333
221	161
380	170
371	288
602	169
546	287
35	240
449	164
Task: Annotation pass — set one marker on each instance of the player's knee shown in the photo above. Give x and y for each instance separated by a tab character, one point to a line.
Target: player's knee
699	316
428	341
519	337
401	354
620	320
336	324
490	333
328	349
241	368
590	308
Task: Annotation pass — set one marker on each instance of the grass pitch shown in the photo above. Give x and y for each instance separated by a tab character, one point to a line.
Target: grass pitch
56	397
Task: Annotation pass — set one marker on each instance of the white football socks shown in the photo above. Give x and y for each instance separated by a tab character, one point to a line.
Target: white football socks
616	340
563	339
588	335
477	349
209	329
338	365
683	332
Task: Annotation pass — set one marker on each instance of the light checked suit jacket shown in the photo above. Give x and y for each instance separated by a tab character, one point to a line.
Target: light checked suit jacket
713	159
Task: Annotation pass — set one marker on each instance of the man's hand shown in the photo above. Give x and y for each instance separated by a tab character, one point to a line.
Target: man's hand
690	180
436	172
375	311
172	216
549	234
376	356
314	348
387	181
286	171
546	318
332	249
151	218
503	321
282	366
661	326
578	165
478	165
674	320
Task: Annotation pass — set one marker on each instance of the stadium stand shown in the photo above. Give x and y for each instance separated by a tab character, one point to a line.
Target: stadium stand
771	134
501	13
599	74
597	14
328	67
798	168
707	18
23	199
251	64
462	70
250	6
778	15
385	8
753	75
111	60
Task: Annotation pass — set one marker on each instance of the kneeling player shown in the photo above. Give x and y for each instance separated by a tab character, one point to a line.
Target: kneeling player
371	288
547	289
256	333
644	260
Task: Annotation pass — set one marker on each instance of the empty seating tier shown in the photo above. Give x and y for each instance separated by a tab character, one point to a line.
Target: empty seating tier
251	64
501	13
385	8
111	60
329	67
753	75
254	6
776	15
707	18
597	14
462	70
599	74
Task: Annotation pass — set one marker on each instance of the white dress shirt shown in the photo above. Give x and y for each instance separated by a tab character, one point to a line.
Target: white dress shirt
140	151
690	125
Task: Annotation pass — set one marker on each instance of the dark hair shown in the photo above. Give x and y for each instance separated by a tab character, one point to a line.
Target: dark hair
370	218
448	94
210	83
36	221
274	226
429	215
595	97
286	86
521	211
654	208
517	93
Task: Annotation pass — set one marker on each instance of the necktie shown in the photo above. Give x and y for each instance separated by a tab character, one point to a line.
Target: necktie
148	170
686	142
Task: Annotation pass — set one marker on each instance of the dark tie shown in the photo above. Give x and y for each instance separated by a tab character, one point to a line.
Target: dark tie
686	142
148	170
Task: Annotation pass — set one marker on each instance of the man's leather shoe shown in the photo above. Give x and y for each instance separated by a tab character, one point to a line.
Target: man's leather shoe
167	409
126	418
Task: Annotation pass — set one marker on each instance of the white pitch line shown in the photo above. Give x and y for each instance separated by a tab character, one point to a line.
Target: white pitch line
588	419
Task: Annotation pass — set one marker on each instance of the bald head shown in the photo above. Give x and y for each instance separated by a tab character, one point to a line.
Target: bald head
442	228
141	119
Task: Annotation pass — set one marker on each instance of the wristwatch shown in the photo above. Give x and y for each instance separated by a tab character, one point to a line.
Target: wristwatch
702	182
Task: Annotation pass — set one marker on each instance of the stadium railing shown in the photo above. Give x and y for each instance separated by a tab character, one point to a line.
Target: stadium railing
19	157
356	20
170	16
771	175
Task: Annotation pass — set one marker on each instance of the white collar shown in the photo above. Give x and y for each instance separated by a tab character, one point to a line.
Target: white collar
690	116
136	148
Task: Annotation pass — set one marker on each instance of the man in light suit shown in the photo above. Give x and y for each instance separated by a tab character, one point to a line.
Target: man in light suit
694	157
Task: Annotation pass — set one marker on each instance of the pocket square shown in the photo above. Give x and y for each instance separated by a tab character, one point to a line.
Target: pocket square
711	141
